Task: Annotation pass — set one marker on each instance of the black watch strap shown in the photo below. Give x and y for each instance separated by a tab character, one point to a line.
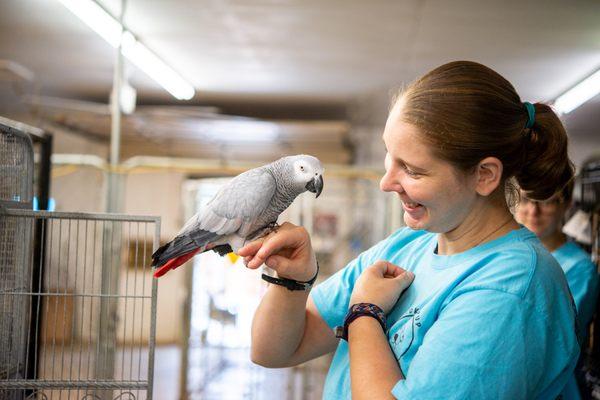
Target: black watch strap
291	284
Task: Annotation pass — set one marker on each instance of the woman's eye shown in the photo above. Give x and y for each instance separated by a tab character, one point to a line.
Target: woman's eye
410	172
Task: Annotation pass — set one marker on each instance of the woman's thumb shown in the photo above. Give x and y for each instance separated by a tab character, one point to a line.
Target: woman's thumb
405	278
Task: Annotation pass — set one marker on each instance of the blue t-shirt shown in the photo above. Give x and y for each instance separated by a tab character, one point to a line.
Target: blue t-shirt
494	322
582	278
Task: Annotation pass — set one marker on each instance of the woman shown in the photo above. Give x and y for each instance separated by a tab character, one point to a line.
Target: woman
545	219
474	306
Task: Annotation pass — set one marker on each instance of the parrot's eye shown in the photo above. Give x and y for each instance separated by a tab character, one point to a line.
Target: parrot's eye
302	168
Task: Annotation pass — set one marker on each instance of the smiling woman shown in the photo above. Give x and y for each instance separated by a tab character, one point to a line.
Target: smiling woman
461	304
423	181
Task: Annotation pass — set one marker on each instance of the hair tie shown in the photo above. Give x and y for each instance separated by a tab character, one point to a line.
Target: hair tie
530	114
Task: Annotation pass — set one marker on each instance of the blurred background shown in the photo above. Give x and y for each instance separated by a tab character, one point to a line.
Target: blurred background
150	106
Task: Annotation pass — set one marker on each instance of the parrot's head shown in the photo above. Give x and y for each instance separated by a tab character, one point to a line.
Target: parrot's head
307	173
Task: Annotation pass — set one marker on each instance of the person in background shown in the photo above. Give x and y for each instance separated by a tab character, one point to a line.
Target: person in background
463	303
546	219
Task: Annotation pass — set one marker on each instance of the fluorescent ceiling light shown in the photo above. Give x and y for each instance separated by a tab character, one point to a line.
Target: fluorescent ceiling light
239	131
113	32
155	68
578	94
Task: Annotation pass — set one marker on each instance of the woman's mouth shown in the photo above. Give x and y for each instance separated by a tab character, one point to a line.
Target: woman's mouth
412	208
409	205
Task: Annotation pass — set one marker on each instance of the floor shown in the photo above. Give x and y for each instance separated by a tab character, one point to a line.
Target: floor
228	374
213	373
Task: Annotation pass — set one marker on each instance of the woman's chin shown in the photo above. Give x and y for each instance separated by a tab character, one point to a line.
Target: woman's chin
415	224
539	230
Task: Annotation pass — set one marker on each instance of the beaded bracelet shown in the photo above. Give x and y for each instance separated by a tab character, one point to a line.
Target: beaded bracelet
360	310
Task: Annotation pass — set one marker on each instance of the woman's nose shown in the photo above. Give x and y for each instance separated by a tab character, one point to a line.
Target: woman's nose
389	183
535	208
531	207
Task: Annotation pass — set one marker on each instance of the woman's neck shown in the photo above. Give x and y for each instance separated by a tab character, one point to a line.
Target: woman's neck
485	223
554	241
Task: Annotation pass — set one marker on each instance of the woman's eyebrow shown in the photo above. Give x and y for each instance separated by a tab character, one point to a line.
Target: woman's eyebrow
399	160
412	166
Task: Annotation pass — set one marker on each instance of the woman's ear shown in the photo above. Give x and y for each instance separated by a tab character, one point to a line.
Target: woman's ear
488	175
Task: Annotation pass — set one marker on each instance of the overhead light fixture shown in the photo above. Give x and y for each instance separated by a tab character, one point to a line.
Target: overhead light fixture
578	94
111	30
245	131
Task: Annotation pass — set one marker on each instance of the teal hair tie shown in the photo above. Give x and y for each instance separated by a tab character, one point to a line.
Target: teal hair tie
530	115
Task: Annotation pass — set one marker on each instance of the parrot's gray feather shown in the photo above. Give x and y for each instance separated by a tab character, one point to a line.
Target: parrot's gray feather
243	209
237	205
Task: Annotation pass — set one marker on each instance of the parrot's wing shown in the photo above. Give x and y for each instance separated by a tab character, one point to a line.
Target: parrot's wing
236	205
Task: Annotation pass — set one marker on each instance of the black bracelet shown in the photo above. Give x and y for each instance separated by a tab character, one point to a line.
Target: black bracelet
360	310
291	284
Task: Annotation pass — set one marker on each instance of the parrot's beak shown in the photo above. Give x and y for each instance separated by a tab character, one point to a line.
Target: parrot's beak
315	185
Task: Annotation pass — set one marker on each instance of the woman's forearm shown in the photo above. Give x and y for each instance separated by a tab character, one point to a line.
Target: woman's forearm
278	326
374	370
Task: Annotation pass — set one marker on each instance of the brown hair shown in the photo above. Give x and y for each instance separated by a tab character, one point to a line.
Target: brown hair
467	112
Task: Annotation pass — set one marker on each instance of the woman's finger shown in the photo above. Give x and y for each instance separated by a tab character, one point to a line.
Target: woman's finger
251	248
272	245
278	263
387	269
405	279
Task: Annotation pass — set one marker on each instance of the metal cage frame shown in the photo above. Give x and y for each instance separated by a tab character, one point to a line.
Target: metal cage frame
34	381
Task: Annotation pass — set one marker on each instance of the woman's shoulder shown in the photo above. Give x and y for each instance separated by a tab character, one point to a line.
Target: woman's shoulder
520	249
515	264
572	253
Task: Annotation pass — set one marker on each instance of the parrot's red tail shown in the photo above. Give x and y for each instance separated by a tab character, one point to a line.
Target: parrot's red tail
174	263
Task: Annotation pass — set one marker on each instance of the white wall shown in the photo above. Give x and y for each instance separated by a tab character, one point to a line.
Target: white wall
77	188
159	194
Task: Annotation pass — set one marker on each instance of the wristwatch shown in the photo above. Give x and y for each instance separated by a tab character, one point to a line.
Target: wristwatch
291	284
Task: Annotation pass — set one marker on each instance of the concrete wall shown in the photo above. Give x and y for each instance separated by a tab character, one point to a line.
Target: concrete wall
160	194
80	188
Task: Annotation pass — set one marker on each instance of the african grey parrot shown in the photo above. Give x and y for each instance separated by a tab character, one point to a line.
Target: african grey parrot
245	208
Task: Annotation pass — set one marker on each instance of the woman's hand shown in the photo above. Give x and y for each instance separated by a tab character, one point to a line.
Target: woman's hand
381	284
287	251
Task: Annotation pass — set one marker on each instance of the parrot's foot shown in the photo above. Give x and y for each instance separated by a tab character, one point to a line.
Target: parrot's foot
267	230
272	227
222	249
261	233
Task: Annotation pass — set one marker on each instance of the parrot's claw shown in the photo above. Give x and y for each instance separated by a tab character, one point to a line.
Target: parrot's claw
261	233
272	227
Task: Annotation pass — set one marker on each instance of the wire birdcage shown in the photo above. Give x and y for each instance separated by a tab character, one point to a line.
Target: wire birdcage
16	168
16	191
94	324
77	297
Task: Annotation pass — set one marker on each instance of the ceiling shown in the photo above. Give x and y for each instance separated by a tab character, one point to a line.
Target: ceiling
307	59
